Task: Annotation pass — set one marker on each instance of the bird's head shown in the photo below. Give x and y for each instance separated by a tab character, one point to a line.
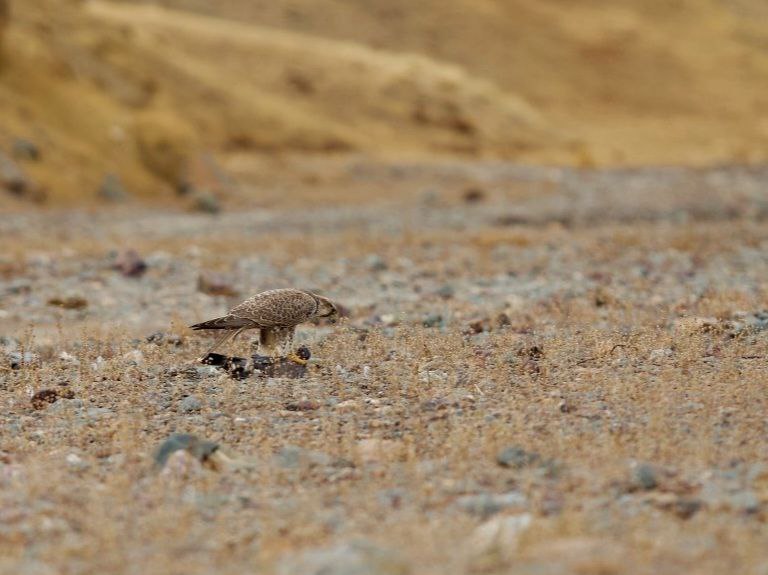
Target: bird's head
326	309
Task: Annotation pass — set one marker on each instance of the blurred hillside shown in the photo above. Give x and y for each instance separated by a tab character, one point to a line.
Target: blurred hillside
135	89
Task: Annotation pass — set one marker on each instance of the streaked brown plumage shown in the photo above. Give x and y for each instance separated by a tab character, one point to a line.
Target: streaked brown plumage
275	313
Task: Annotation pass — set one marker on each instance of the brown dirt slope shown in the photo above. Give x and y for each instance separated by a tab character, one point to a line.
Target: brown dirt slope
101	83
106	86
630	82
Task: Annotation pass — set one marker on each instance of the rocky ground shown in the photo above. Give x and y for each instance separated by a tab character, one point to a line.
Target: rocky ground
540	371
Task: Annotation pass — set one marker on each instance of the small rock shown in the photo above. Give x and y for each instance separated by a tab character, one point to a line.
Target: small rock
68	358
478	325
355	558
190	404
206	202
659	354
487	504
516	457
745	501
446	292
17	359
294	457
202	174
95	413
161	338
686	507
11	176
389	319
303	405
112	189
215	284
645	476
199	449
130	264
76	462
375	450
473	195
375	263
433	320
494	543
71	302
24	149
347	405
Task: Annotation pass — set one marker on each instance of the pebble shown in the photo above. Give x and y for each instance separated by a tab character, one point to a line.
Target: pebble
353	558
645	476
112	189
190	404
487	504
516	457
494	543
199	449
215	284
659	354
375	450
473	195
294	457
376	263
76	462
11	176
130	264
24	149
347	405
303	405
745	501
446	292
206	202
17	359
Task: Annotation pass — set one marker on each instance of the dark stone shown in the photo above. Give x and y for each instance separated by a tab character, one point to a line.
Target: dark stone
685	507
200	449
645	477
11	176
17	359
161	338
473	195
516	457
130	264
25	150
205	201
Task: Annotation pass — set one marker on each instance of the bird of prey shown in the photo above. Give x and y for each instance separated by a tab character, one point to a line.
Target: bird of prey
275	313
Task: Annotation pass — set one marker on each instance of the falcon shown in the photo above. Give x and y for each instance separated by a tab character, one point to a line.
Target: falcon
275	313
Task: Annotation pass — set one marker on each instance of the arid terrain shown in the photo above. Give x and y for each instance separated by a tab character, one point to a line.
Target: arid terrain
545	224
517	387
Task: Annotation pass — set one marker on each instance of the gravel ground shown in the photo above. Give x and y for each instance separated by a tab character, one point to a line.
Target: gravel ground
540	371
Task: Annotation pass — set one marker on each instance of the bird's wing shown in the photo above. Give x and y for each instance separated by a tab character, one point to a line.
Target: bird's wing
277	308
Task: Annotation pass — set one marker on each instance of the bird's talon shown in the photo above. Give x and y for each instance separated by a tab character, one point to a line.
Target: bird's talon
296	359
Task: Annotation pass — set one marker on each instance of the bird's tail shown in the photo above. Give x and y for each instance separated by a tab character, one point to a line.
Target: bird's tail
224	322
